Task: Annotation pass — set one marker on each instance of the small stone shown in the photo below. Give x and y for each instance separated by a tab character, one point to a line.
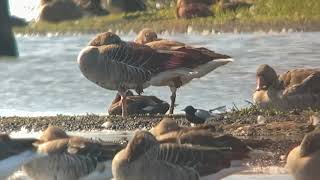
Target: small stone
107	124
315	120
261	120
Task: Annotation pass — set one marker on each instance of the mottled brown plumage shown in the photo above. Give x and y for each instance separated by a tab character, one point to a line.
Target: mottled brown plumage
202	57
145	158
118	65
297	88
70	157
168	131
14	153
138	105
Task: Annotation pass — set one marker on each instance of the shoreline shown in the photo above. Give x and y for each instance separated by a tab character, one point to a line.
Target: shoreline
262	15
184	26
278	135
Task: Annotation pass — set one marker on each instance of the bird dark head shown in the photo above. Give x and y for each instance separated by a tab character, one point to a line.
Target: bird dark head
266	77
105	38
146	35
189	110
141	142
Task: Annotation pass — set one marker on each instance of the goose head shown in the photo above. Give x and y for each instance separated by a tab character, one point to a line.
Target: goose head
164	126
52	133
141	142
145	36
105	38
266	77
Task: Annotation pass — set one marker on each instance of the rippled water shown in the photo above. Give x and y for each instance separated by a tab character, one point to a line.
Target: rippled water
46	80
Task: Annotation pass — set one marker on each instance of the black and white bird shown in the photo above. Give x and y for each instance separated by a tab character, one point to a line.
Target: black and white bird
14	153
145	158
199	116
118	65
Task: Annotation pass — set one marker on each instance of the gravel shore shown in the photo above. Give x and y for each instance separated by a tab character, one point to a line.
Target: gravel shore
278	134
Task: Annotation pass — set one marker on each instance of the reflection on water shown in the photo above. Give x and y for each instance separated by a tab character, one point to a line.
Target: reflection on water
45	80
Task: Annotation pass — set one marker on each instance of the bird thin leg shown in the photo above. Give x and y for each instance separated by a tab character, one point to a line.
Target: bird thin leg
173	99
124	106
123	93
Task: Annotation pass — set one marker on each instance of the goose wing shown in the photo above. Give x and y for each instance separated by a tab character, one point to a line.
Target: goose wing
100	150
10	147
204	160
311	84
165	44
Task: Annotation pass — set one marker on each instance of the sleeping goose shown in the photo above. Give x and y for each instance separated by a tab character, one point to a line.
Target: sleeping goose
303	161
118	65
14	153
145	158
146	35
168	131
138	105
71	157
297	88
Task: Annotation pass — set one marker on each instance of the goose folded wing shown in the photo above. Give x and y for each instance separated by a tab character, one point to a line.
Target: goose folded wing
205	160
10	147
165	45
100	150
311	84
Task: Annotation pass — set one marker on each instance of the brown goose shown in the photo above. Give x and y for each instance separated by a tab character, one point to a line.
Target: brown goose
150	38
146	159
71	157
138	105
146	35
303	161
14	153
297	88
117	65
168	131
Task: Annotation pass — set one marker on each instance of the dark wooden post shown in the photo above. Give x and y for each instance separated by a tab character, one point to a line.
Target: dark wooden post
8	45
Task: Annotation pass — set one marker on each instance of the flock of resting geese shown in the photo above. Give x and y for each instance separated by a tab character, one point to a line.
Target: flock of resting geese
167	151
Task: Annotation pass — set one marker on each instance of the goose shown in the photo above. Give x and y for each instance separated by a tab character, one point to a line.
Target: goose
14	153
118	65
295	89
71	157
145	36
138	105
168	131
304	160
167	125
144	158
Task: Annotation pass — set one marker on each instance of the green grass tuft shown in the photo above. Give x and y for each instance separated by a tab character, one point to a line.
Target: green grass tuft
272	14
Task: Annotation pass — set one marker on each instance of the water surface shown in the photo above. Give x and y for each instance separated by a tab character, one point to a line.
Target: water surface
45	79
